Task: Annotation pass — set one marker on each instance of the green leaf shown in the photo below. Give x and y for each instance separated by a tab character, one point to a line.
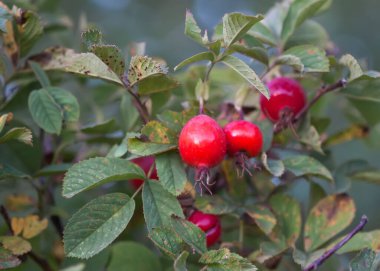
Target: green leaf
352	64
312	58
362	240
190	233
141	148
225	260
288	214
347	170
167	240
127	255
156	83
245	71
298	12
364	261
16	244
176	120
7	259
310	32
369	175
192	29
30	30
97	224
21	134
290	60
56	169
262	33
266	128
45	111
156	132
142	67
7	171
275	167
159	205
4	17
263	217
67	102
309	135
236	25
364	89
91	37
214	205
330	216
195	58
93	172
257	53
171	172
302	165
86	64
40	74
111	56
180	262
105	127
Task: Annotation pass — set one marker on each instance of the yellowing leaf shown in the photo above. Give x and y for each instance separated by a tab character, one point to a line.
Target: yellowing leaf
18	202
17	245
33	226
17	225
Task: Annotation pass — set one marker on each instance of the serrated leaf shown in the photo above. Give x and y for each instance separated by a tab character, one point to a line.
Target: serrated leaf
142	67
352	64
45	111
171	172
312	58
190	233
180	262
192	29
21	134
214	205
141	148
176	120
362	240
111	56
236	25
91	37
195	58
263	217
105	127
290	60
67	102
288	214
224	260
86	64
40	74
127	255
30	30
15	244
97	224
93	172
275	167
156	132
330	216
257	53
364	261
167	240
7	260
302	165
298	12
156	83
246	72
159	205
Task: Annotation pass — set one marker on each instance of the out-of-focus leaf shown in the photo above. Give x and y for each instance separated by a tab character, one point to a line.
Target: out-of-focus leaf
214	205
141	148
330	216
266	128
40	74
176	120
352	64
105	127
345	172
263	217
21	134
30	30
290	60
312	58
310	32
355	131
97	224
364	261
93	172
362	240
67	102
369	175
275	167
195	58
257	53
156	132
156	83
261	32
192	29
54	169
91	37
7	259
180	262
15	244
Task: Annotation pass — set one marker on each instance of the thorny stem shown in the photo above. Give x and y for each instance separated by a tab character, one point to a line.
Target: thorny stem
40	261
322	91
314	265
141	108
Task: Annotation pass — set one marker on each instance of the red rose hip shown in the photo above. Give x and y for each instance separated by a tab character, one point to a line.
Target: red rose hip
208	223
243	136
286	95
202	143
145	163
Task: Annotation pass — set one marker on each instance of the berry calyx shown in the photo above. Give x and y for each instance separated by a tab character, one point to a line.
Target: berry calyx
208	223
243	136
145	163
202	143
287	97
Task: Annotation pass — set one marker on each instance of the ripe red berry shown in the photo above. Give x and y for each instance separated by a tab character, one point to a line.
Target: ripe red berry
208	223
202	143
243	136
285	94
145	163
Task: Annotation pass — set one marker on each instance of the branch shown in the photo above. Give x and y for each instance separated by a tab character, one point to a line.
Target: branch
314	265
6	217
137	102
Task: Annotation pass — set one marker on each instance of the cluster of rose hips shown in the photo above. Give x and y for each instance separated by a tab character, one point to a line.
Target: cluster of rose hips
203	144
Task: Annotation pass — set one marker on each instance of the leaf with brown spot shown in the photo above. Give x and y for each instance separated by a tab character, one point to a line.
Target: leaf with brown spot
263	217
159	133
17	245
33	226
18	202
328	217
7	260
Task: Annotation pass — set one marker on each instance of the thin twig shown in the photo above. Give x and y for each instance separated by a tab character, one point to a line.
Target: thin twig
314	265
141	108
7	218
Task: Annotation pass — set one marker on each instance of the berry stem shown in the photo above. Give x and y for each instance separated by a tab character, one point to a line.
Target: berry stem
314	265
